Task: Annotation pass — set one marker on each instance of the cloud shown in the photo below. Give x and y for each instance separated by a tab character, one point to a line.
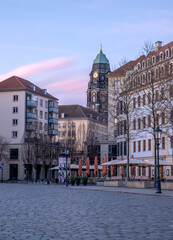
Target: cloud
68	86
40	67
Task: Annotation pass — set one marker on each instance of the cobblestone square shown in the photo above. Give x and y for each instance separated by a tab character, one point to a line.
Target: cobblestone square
52	212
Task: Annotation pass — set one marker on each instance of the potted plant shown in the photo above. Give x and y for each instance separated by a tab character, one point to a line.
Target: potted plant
72	180
77	180
84	180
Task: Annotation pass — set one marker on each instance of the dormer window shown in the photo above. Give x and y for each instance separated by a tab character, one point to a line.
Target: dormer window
167	53
143	64
138	66
148	62
154	60
161	56
172	51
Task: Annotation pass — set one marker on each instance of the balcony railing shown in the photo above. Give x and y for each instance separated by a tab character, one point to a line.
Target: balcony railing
53	132
53	109
31	115
30	127
53	120
31	103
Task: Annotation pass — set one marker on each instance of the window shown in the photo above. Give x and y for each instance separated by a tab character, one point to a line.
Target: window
149	144
134	103
171	141
139	101
14	134
144	145
64	125
41	114
94	98
46	104
144	96
15	122
163	118
149	98
45	115
139	123
157	95
144	122
162	94
15	98
139	146
149	121
64	133
171	91
157	119
134	146
41	126
167	53
170	68
154	59
45	127
14	153
15	109
134	124
163	142
157	73
41	102
125	149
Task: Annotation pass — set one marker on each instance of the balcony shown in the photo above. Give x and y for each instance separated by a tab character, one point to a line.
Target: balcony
30	127
31	103
53	109
53	120
53	132
31	115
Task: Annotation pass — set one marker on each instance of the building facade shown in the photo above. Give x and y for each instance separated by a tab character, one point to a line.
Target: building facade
148	99
81	129
97	92
29	121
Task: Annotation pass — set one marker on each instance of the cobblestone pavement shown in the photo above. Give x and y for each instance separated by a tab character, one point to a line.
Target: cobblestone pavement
53	212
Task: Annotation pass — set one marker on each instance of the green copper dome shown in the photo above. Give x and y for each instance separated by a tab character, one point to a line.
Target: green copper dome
101	58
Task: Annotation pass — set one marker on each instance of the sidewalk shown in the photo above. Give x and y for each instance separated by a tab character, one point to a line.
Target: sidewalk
151	192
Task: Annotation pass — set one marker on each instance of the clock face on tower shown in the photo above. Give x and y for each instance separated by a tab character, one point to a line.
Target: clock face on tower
95	74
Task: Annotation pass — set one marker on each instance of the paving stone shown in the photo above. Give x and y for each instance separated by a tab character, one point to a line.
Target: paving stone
51	212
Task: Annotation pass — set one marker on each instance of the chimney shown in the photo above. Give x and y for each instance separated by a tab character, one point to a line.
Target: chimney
158	44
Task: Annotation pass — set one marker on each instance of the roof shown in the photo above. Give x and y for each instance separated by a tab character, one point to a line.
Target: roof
161	49
15	83
101	58
78	111
121	71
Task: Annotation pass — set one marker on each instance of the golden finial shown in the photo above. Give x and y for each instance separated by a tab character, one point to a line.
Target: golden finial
100	47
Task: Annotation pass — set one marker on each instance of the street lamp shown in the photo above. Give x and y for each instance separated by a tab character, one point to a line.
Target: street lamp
158	132
66	155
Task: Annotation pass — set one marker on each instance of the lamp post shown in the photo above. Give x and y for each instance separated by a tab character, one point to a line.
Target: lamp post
158	132
66	155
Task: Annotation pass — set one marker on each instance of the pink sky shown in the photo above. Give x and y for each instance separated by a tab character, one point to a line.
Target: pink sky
57	76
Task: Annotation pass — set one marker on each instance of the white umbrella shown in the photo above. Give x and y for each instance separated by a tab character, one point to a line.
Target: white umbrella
161	163
54	168
132	161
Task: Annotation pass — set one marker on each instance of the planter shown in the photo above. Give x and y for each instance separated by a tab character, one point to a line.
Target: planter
72	183
77	181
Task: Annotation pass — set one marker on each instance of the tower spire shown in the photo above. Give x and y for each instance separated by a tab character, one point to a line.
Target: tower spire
100	47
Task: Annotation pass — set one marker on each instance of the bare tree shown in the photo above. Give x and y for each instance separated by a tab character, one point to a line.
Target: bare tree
3	149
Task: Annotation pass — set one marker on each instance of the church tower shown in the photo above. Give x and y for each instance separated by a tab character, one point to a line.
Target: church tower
97	93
